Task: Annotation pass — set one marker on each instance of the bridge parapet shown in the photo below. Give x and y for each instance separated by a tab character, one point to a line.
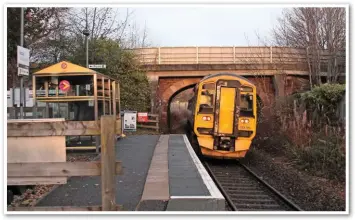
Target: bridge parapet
229	55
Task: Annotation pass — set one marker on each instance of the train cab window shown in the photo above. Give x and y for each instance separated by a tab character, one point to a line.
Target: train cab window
246	105
207	98
208	86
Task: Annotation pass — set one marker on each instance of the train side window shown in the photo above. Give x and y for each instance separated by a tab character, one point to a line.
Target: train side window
246	105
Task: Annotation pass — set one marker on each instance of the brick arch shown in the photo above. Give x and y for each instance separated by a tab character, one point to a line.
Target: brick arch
169	87
168	93
266	90
177	86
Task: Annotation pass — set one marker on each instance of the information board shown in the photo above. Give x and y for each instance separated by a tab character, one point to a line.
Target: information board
130	121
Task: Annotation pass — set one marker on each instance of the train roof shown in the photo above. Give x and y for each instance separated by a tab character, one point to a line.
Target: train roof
228	74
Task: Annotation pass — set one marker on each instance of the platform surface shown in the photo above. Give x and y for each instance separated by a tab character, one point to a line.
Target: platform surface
184	177
160	173
136	153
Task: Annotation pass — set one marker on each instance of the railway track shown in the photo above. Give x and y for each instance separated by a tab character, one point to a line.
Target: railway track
244	190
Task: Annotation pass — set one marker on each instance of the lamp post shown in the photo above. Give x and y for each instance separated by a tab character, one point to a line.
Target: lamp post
22	96
87	33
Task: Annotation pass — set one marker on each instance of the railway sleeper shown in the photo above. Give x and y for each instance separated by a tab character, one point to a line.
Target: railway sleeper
258	206
261	210
254	201
247	192
241	188
244	184
247	195
239	180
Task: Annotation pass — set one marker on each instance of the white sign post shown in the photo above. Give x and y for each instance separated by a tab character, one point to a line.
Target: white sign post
23	71
97	66
23	61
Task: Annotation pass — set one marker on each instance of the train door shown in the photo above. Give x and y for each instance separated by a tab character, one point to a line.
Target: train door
227	108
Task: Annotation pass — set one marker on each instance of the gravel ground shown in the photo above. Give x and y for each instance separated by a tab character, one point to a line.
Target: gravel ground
35	193
309	192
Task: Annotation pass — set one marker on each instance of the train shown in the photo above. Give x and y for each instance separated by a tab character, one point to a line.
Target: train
222	116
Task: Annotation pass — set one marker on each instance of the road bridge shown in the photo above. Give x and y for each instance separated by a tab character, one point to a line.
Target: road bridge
276	71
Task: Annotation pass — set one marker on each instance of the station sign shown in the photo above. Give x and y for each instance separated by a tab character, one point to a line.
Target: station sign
97	66
23	61
23	56
142	116
64	85
23	71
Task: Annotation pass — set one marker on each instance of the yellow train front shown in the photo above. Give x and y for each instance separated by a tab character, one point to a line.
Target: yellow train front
223	116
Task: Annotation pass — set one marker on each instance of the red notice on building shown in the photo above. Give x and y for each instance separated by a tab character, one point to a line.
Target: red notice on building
64	85
142	116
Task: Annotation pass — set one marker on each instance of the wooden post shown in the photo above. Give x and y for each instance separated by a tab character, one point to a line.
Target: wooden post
103	95
108	161
34	108
96	109
46	88
46	94
158	55
57	88
109	95
114	98
196	55
118	99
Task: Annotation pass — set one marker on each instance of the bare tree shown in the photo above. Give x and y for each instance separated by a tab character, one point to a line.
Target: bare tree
39	25
105	23
321	31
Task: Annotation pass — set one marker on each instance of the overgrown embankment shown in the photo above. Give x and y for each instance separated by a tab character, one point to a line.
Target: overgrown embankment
309	129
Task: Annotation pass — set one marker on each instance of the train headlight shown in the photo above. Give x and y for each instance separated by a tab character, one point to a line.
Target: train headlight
206	118
244	121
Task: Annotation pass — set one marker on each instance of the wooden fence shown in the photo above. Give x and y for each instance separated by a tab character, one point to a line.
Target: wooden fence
108	168
152	123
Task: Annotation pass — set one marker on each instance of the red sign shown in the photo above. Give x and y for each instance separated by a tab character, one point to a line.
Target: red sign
64	65
64	85
142	117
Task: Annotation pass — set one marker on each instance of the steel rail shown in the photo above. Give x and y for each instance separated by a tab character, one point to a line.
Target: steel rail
219	185
265	188
282	197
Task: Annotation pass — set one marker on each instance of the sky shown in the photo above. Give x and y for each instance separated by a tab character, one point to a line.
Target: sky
206	26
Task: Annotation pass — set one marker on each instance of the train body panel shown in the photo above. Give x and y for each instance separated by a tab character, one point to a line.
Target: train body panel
223	115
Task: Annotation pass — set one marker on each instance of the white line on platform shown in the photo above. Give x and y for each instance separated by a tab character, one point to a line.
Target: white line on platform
211	186
192	197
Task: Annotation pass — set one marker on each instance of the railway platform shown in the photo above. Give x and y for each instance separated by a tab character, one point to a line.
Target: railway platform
160	173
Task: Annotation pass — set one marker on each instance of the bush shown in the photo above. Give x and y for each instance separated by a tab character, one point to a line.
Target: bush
315	145
323	101
325	156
